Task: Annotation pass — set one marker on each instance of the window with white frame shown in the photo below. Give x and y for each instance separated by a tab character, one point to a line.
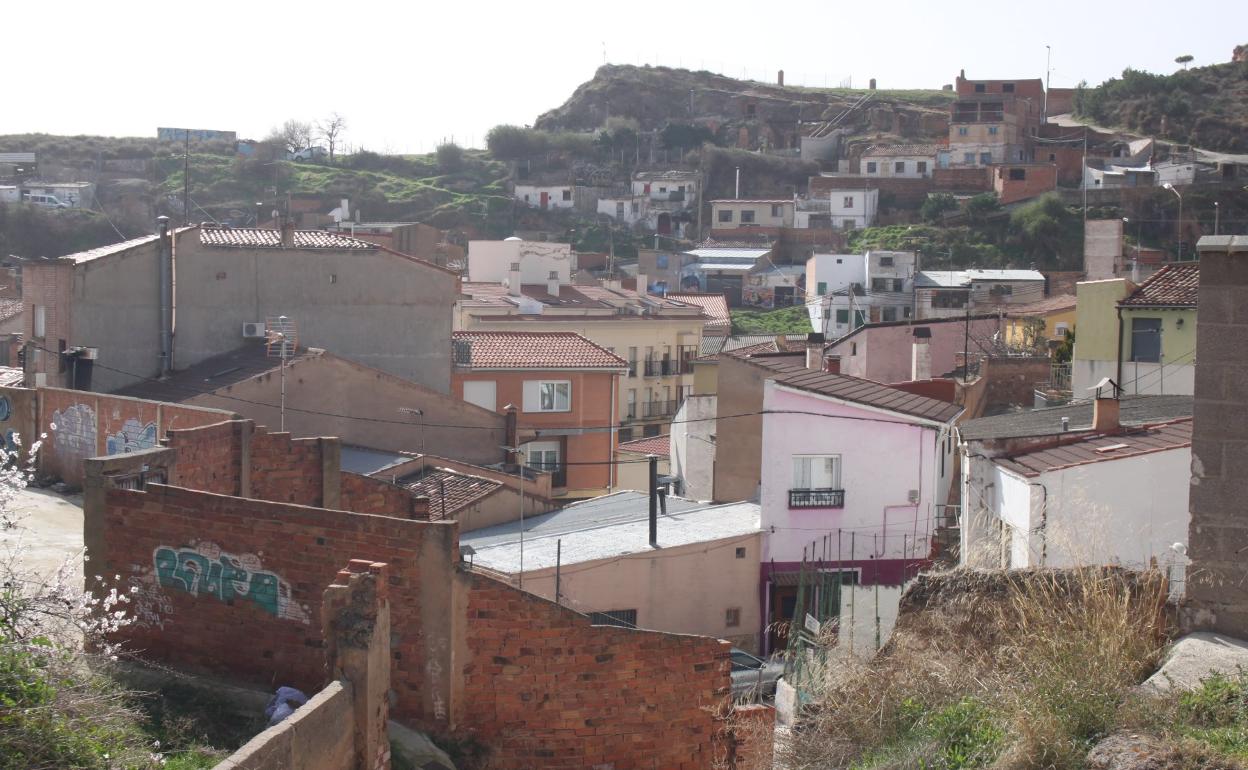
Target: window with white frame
542	455
547	396
848	202
41	315
725	215
816	472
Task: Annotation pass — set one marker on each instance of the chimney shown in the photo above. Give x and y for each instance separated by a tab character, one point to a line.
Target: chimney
832	364
552	283
643	284
288	232
1105	415
420	508
780	78
921	355
513	280
654	500
509	427
345	211
814	351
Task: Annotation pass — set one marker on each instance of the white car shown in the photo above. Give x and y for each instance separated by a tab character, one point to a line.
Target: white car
308	153
754	678
47	201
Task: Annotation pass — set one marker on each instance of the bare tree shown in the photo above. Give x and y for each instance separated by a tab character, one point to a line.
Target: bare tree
294	135
331	127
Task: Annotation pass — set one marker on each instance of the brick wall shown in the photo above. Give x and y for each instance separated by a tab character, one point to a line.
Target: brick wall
546	689
261	621
285	469
1012	381
49	286
210	458
363	494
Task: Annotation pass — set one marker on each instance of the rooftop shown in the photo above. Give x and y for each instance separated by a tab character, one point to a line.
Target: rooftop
1133	410
1175	285
752	200
747	343
213	374
606	527
531	350
651	445
720	253
1054	304
111	249
900	150
10	308
963	278
11	376
367	462
592	298
715	306
448	491
791	371
1102	448
660	176
270	238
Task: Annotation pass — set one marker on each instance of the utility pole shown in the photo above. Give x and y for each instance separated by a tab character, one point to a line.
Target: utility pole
1216	212
186	179
1048	69
966	344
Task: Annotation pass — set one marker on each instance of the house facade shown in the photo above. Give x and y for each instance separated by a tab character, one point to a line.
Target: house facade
830	280
994	121
852	208
565	392
900	161
735	213
560	196
900	351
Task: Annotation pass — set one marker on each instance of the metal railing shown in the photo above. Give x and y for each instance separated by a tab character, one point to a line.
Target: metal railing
816	498
658	408
662	367
632	368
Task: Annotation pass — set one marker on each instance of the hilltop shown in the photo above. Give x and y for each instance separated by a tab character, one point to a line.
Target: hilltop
1204	106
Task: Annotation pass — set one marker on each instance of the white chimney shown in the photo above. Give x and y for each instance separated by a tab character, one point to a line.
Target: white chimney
513	280
921	355
642	284
814	351
345	213
552	283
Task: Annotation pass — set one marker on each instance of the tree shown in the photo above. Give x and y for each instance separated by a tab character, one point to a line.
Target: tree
1047	231
450	157
935	206
684	137
507	142
294	135
982	206
331	128
1185	59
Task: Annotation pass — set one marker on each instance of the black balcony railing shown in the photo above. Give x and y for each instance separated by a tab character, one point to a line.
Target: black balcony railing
631	412
664	367
816	498
658	408
558	472
632	368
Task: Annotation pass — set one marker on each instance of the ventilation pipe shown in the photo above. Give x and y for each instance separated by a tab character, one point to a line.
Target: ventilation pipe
654	500
552	283
165	255
513	280
737	195
921	355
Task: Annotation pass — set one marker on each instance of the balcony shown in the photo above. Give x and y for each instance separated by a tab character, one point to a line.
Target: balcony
558	472
632	368
816	498
631	412
651	409
662	367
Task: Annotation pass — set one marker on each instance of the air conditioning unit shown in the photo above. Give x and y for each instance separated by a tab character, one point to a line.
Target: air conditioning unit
914	497
254	330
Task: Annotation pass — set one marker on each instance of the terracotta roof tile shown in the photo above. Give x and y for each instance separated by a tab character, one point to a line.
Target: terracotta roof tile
1101	448
531	350
267	238
651	445
457	490
1054	304
10	308
900	150
713	305
1172	286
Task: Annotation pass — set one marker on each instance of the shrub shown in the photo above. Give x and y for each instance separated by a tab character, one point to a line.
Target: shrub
450	157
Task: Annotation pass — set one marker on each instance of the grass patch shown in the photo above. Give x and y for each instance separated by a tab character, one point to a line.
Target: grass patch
785	320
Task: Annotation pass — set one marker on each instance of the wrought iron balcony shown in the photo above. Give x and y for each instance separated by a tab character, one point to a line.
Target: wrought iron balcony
816	498
658	408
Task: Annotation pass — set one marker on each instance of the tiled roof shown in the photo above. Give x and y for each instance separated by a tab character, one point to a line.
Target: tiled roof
651	445
531	350
1102	448
1054	304
10	308
900	150
580	297
747	343
647	176
111	249
791	371
714	305
265	238
11	376
1171	286
456	490
1133	410
213	374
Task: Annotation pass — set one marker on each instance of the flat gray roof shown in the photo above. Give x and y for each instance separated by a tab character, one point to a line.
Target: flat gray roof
1134	410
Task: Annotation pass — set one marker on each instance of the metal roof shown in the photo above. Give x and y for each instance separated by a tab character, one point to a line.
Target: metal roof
1102	448
715	253
1133	410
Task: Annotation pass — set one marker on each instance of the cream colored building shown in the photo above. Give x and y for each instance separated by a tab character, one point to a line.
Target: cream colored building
740	212
658	337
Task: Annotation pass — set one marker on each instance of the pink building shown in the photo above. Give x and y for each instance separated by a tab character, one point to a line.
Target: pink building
852	476
900	351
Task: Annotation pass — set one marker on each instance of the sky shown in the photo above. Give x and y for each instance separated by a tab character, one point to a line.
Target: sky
408	76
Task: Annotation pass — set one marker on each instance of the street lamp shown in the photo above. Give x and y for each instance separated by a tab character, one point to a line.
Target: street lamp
1171	188
1217	209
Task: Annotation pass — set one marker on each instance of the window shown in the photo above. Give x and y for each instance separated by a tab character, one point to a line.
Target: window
968	157
567	195
660	261
886	261
626	434
821	288
732	617
542	455
1146	340
871	166
725	215
741	552
853	348
880	284
747	216
623	618
847	224
1052	157
526	197
1018	174
776	211
963	131
651	430
992	130
899	167
888	314
1062	329
662	189
547	396
636	207
41	318
842	316
816	471
619	209
483	393
921	167
899	285
980	88
1007	88
985	157
848	202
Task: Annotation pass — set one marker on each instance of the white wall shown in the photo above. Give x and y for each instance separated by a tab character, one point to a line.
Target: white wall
531	195
490	261
609	207
837	271
885	166
1137	377
693	451
862	208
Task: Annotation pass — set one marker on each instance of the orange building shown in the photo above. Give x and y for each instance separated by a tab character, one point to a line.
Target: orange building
565	390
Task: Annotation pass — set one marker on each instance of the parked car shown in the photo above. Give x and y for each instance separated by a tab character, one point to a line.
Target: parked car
308	153
754	678
47	201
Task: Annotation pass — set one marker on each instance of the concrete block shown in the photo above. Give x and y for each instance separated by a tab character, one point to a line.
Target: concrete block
1196	657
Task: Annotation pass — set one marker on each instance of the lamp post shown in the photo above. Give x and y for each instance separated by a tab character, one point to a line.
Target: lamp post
1217	209
1171	188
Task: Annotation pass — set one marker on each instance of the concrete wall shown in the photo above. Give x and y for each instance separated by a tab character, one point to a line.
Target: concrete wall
886	165
491	261
711	576
692	447
318	387
763	216
739	440
1037	180
1102	248
633	470
384	310
884	353
1096	319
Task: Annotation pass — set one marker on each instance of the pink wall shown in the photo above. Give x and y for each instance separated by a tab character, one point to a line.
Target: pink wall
882	459
883	353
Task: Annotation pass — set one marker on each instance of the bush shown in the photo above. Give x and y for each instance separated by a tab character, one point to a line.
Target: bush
936	206
450	157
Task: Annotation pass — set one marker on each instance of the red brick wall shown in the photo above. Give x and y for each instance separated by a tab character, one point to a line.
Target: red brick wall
964	180
362	494
543	688
51	287
294	549
1039	180
286	470
209	458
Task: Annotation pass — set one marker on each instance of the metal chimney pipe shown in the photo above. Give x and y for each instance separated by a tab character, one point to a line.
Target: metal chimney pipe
737	194
164	251
654	500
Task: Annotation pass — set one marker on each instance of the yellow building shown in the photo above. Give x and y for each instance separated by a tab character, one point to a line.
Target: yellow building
1042	324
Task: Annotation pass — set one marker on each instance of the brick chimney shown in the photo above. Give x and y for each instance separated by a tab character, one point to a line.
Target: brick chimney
921	354
1105	415
420	508
513	280
832	364
814	351
288	233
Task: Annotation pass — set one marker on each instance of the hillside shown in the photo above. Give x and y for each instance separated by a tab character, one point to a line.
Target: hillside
1204	106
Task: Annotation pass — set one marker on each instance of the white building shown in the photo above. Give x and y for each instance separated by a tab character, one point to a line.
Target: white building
853	208
668	186
545	196
945	293
899	161
491	261
1111	496
845	291
693	447
735	213
626	209
75	195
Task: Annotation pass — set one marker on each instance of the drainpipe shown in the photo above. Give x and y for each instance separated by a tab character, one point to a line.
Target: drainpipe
165	255
1118	375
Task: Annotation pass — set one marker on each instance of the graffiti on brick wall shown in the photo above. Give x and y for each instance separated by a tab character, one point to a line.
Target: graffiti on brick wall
150	606
132	437
73	432
206	570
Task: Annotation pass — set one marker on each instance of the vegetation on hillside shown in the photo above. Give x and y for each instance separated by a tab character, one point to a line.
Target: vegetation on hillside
784	320
1205	106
